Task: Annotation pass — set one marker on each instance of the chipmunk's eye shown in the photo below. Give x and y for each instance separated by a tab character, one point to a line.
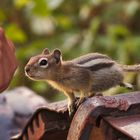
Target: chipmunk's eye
43	62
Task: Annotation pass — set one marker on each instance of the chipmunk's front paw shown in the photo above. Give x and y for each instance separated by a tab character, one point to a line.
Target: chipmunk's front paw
71	109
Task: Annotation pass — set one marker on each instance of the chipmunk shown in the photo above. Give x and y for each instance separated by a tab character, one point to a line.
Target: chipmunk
88	74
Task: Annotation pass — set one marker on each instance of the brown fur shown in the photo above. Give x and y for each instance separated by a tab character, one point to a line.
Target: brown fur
87	74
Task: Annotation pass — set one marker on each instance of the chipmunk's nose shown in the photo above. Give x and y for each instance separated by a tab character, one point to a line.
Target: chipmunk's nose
27	69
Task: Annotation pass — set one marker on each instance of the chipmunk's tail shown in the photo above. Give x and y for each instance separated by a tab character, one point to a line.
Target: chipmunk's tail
131	68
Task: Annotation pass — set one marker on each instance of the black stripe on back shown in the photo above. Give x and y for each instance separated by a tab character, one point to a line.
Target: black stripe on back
99	66
93	58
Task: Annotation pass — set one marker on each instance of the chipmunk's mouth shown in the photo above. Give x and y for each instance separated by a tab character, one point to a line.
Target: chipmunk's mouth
29	75
32	74
29	72
33	77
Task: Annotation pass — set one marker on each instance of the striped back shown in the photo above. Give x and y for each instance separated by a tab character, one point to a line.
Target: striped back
94	61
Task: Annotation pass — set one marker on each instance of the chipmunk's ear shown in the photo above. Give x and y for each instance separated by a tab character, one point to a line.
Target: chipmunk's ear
46	51
57	55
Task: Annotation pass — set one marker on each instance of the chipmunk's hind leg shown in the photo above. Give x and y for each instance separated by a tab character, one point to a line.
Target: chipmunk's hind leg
127	85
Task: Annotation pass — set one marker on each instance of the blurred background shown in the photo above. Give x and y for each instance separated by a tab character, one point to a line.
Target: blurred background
76	27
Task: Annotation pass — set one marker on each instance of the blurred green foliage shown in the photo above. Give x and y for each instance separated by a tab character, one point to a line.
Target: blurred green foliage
76	27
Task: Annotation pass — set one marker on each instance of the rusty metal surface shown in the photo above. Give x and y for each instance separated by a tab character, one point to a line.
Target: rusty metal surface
49	123
128	125
91	112
96	133
98	118
110	133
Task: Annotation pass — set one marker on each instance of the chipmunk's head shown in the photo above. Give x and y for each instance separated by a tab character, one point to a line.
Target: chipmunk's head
43	66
